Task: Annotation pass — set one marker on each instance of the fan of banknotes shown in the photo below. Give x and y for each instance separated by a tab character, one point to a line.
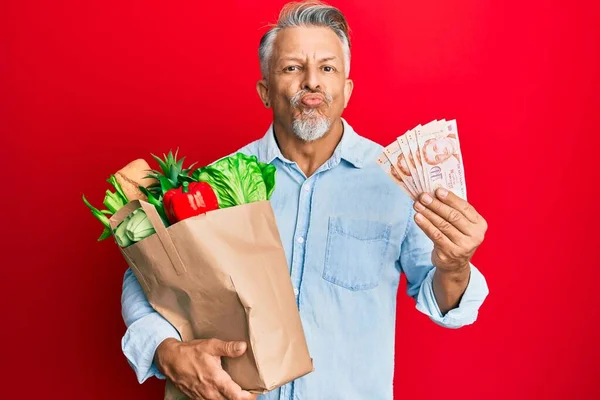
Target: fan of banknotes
426	158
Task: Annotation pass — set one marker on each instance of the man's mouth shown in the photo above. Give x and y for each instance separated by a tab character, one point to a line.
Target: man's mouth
312	100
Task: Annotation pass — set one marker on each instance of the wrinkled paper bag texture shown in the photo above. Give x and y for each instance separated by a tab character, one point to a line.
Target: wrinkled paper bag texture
224	275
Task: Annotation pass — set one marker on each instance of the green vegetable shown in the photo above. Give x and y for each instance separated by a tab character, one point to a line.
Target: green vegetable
268	173
105	234
157	202
97	213
119	190
101	216
139	226
238	179
121	235
171	174
113	202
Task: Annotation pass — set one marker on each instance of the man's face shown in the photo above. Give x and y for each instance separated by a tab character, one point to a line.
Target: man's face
307	85
438	150
401	163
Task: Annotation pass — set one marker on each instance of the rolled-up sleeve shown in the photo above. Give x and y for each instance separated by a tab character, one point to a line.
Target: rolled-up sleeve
415	263
146	329
468	307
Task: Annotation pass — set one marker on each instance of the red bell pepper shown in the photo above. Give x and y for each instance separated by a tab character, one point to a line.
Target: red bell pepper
189	200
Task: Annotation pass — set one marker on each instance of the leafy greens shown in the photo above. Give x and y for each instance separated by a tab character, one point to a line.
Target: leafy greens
238	179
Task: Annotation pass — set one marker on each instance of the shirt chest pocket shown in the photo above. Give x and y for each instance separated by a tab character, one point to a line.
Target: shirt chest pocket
355	252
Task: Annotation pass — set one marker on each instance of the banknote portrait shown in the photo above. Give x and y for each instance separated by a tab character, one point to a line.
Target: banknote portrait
439	149
402	164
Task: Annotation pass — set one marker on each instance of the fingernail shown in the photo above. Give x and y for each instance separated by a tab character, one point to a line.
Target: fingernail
419	206
419	217
426	199
442	193
239	346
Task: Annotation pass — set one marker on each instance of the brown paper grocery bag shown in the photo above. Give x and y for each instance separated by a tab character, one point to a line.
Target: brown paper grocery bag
224	275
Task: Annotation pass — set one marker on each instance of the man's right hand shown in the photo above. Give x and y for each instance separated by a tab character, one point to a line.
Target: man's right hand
195	368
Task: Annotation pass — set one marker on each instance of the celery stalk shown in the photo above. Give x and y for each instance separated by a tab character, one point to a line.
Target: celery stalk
119	190
113	201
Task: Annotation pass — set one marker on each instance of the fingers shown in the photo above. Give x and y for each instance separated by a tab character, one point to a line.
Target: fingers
233	391
243	395
227	349
449	230
212	394
229	389
201	394
221	381
197	370
200	391
438	238
447	213
479	224
227	386
452	200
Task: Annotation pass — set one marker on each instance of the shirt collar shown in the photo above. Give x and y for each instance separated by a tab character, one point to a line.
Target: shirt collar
348	148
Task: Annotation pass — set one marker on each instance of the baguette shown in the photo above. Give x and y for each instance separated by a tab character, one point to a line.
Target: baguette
133	175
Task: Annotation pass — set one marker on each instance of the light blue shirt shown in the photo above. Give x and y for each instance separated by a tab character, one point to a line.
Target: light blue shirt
348	234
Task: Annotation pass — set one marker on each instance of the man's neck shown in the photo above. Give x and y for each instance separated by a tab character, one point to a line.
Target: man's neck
308	155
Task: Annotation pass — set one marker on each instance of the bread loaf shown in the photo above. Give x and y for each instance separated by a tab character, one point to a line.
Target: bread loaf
133	175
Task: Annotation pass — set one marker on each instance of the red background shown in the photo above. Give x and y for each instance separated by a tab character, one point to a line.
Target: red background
87	86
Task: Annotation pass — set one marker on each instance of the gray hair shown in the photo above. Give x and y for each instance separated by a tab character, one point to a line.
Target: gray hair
302	14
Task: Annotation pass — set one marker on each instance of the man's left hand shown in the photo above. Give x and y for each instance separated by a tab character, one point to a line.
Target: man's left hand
454	226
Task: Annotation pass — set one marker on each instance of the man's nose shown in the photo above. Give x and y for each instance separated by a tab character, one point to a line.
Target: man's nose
311	79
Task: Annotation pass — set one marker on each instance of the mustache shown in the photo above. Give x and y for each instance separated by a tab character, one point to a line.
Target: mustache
295	100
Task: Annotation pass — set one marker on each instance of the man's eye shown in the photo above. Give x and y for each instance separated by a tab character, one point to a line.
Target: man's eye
328	69
291	68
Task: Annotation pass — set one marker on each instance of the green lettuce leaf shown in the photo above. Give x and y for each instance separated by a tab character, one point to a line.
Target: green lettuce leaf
238	179
268	173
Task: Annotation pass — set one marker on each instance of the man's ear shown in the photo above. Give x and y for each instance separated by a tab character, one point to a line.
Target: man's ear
348	86
263	92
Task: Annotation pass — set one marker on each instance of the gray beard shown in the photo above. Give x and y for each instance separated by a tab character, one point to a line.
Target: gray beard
311	126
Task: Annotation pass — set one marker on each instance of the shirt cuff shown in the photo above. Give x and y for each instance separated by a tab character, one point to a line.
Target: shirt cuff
468	308
141	341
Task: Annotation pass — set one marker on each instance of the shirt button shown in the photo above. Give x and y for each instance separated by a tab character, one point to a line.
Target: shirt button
296	291
300	240
307	188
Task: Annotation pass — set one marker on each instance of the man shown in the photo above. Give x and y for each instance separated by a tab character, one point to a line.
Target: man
439	150
348	233
402	164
